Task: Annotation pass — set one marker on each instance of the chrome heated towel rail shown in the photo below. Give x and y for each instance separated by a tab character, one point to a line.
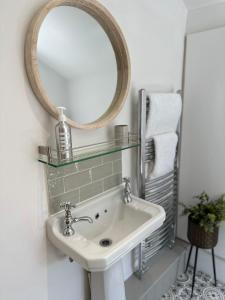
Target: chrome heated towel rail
162	190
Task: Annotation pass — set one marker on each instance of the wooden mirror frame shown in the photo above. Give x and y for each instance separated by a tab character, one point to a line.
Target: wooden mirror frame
112	29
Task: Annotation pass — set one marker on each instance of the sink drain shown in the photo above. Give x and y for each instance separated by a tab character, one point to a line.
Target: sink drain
105	242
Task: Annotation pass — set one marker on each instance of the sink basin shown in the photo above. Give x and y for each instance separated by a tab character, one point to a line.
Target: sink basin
117	228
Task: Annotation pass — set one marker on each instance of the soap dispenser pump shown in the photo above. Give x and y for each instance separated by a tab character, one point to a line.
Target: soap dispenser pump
63	137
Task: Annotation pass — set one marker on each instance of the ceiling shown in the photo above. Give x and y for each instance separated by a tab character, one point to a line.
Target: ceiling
195	4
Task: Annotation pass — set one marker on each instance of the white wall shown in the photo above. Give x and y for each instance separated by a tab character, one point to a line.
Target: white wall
206	17
29	267
196	4
203	140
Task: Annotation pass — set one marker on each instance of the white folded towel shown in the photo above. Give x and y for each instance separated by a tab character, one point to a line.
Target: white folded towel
164	114
165	152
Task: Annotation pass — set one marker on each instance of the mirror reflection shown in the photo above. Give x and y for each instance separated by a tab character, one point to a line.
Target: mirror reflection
77	64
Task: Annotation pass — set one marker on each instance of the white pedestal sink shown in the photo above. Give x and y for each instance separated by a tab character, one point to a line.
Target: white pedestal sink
122	226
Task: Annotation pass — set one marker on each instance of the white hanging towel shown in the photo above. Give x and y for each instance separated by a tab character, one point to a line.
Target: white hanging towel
165	152
164	114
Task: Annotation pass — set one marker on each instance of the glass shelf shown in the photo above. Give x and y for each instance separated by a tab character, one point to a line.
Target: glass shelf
48	156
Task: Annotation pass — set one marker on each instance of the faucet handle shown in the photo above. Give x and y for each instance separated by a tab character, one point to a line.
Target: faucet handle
67	205
126	180
127	190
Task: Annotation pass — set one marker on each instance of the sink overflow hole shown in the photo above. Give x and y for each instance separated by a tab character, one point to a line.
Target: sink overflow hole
105	242
97	216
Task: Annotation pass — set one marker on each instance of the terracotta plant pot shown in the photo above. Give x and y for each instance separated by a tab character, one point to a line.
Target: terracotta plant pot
199	238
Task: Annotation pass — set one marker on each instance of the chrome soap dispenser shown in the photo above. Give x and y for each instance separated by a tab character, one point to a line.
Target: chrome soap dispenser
63	138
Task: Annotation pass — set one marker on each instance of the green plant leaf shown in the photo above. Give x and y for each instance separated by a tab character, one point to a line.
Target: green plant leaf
207	213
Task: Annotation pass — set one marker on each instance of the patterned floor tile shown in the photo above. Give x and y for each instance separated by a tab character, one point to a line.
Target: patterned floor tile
204	288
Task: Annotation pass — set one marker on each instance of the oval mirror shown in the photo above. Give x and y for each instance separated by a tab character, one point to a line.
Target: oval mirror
76	57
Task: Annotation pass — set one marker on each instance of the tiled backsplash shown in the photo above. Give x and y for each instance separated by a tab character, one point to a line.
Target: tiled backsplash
80	181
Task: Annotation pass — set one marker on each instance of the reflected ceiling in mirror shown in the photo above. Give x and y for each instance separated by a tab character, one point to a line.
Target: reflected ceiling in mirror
77	64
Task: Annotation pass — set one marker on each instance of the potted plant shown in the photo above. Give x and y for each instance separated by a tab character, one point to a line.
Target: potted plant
204	219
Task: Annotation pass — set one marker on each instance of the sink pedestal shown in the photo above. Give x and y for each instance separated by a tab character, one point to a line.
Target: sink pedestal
108	285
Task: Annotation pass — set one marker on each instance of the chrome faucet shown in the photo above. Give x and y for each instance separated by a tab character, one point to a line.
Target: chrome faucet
69	220
127	191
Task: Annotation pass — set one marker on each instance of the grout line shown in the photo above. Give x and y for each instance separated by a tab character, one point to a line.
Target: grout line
114	163
120	173
100	166
61	194
82	186
117	160
78	187
74	173
88	168
108	162
112	167
102	190
57	195
113	185
102	185
91	176
64	188
79	195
